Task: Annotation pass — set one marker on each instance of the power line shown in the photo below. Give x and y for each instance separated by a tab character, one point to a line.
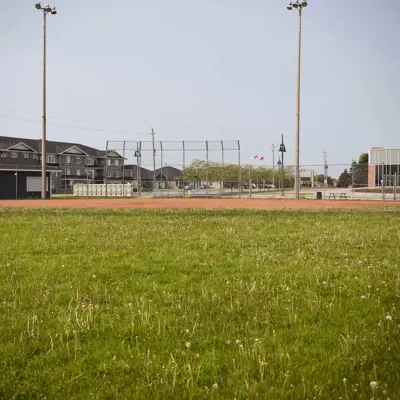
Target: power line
72	120
79	127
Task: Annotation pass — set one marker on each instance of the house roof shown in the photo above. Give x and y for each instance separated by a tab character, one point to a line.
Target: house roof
169	172
23	163
144	172
52	147
6	142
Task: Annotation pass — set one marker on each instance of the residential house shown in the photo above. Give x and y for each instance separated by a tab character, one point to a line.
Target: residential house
165	178
68	162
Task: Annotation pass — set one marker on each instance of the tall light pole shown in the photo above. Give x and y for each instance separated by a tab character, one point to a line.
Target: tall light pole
46	10
282	150
298	5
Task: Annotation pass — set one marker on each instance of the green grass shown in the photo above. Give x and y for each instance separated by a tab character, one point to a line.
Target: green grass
199	304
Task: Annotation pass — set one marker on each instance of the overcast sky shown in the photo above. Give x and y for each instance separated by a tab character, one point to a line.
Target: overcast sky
205	70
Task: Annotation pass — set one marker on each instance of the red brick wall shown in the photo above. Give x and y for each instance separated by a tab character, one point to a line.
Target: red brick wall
371	175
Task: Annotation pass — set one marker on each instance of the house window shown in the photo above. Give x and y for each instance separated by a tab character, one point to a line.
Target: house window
34	156
109	162
117	174
14	155
77	160
109	174
26	155
89	161
78	172
116	162
51	159
67	159
68	172
3	155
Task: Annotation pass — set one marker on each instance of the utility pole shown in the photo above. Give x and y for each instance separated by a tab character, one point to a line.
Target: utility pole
325	170
298	5
154	158
46	10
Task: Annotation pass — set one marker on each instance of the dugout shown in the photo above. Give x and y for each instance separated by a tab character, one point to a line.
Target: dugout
22	184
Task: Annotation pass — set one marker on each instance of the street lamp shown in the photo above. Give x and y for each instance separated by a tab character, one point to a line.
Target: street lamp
138	156
46	10
279	167
282	150
298	5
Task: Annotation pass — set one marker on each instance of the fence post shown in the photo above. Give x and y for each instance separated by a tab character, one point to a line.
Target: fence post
383	181
123	171
250	182
16	183
394	187
239	172
184	166
207	169
221	190
161	174
106	167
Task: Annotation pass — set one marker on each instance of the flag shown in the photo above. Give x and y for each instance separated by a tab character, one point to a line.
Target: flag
262	158
256	157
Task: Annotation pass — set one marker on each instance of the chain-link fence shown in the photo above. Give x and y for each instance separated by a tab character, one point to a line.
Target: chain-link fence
215	169
180	168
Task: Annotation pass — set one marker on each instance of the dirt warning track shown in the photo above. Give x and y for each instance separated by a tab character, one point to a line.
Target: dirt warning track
190	204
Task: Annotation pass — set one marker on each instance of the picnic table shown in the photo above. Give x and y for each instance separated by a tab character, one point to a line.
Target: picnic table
339	196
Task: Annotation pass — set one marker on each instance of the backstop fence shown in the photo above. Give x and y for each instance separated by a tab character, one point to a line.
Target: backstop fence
178	168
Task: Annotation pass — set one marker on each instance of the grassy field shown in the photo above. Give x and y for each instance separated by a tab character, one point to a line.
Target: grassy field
200	304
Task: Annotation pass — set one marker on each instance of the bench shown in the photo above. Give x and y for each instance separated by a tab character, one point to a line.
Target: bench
339	196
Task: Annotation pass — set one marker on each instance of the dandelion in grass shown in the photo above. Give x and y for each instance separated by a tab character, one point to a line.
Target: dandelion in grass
188	344
373	384
363	297
94	276
389	318
215	386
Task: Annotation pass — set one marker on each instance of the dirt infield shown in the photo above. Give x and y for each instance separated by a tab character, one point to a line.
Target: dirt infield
190	203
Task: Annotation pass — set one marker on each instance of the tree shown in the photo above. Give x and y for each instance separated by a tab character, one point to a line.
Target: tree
364	158
195	171
320	178
359	171
344	180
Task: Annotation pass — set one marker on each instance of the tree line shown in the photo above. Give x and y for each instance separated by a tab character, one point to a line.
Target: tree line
356	175
201	171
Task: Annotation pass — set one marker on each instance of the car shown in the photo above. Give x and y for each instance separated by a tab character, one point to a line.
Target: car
266	186
190	186
204	186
